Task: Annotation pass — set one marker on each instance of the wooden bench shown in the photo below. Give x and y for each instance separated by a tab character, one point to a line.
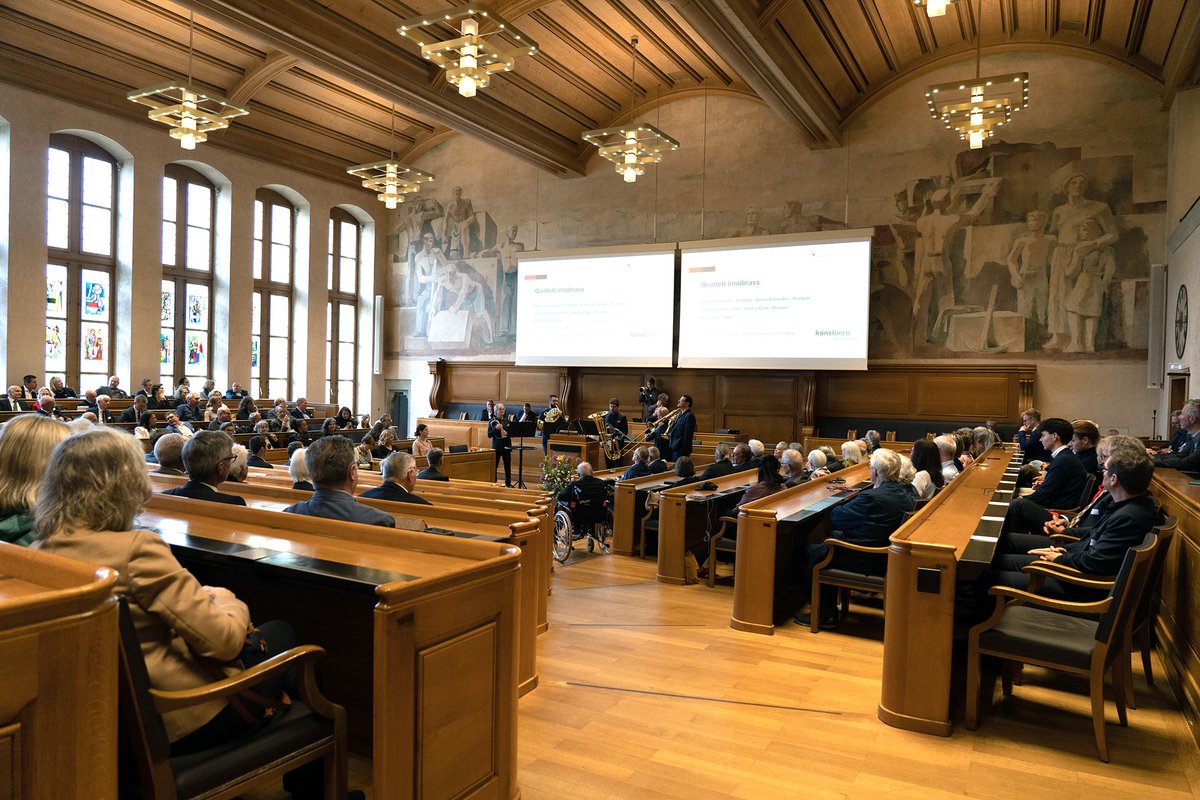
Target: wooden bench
685	512
773	531
420	631
629	507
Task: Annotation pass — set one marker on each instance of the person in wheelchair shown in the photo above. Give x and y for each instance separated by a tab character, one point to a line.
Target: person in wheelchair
583	510
585	487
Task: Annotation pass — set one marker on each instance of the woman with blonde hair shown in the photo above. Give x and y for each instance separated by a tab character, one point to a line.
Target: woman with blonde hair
25	446
94	487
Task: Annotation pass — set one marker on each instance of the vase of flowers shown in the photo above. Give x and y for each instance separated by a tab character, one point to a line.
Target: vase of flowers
558	472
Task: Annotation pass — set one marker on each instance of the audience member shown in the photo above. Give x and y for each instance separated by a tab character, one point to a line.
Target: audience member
685	471
769	481
741	458
239	466
873	441
433	471
168	452
1064	480
586	486
330	462
927	462
386	446
207	457
868	520
421	444
1027	436
298	469
223	417
1178	438
345	418
329	427
656	462
136	409
302	411
216	401
639	468
258	445
851	455
113	389
363	452
947	446
175	425
399	472
1084	436
14	400
780	447
25	446
145	388
158	399
382	424
29	387
236	392
816	465
793	467
60	390
94	487
1187	456
48	407
721	464
190	410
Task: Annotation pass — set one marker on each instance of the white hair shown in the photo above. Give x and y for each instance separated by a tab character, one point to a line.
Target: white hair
756	447
298	467
816	459
851	453
240	466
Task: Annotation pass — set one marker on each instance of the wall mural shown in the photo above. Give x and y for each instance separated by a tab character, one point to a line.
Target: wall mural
1021	248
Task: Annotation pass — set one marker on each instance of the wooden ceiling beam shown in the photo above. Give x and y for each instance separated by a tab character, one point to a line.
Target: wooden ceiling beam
274	64
787	87
378	62
1182	66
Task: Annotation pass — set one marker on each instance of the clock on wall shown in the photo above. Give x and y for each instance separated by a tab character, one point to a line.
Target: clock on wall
1181	321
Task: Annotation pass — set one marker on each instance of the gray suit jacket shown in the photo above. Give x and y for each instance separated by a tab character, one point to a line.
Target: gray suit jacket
339	505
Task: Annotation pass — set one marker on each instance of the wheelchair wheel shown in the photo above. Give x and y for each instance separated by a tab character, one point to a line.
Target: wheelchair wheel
563	531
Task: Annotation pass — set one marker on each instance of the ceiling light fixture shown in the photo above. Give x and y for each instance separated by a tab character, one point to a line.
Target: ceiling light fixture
390	179
631	147
191	112
974	108
934	8
470	59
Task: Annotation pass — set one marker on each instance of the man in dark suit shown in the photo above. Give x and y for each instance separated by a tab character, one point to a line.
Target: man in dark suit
206	457
585	487
175	425
302	411
552	420
223	417
1064	480
655	461
29	386
1178	437
433	472
13	401
113	389
147	388
501	441
399	472
617	425
794	463
1187	456
721	466
1028	436
640	466
168	453
103	415
489	411
257	445
1102	547
684	429
48	407
135	410
869	519
330	462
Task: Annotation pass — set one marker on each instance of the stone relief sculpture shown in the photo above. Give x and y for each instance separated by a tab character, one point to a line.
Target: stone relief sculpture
1029	271
1089	272
751	226
415	217
1065	222
507	251
426	265
456	231
794	220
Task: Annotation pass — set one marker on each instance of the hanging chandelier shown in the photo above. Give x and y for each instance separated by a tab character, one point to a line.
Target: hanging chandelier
472	58
191	113
975	107
391	180
934	8
631	148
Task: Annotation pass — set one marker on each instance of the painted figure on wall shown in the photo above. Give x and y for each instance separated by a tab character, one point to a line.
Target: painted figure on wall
794	220
1029	271
752	226
507	251
1089	273
426	265
1064	223
456	232
416	215
456	292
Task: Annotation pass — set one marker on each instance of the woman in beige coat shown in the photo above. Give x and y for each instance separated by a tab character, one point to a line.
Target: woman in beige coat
94	486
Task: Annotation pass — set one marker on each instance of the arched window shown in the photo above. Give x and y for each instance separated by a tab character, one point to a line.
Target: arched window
188	228
341	312
81	227
271	309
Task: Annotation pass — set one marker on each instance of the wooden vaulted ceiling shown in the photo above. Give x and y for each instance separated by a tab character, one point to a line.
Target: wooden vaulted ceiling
320	76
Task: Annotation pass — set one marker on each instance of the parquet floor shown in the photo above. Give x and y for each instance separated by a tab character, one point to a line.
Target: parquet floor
646	693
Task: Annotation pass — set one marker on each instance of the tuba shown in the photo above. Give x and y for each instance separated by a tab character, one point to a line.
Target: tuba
610	446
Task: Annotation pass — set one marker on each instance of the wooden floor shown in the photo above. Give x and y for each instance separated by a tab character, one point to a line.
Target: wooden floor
646	692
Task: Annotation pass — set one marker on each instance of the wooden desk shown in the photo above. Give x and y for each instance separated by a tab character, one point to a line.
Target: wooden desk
517	524
432	618
58	655
1178	637
772	534
687	510
952	538
629	506
476	465
472	433
583	448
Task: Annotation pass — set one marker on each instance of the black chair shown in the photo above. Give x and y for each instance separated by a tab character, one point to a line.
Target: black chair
459	448
1026	628
313	728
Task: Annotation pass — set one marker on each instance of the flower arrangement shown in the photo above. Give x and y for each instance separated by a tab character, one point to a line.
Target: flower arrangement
558	472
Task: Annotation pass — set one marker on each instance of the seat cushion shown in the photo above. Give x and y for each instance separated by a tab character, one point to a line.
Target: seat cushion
299	728
848	576
1036	633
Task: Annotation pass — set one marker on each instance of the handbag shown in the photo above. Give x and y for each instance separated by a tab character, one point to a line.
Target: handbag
253	707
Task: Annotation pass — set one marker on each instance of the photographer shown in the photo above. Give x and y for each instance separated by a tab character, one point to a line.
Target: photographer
648	397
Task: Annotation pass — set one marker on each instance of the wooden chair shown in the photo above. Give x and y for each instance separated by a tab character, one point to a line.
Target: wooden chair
313	728
720	543
1146	614
889	436
847	580
851	434
463	415
1028	629
649	523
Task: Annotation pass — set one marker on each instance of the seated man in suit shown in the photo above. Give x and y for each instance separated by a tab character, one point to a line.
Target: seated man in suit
236	392
168	452
113	389
88	401
29	387
103	415
1063	483
721	466
258	444
585	487
655	461
948	448
302	411
433	472
223	417
742	458
207	457
869	519
1101	548
399	471
135	410
1179	435
793	467
1187	456
48	407
489	411
330	461
640	466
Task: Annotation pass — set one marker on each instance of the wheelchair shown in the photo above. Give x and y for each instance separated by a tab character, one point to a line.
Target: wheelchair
579	516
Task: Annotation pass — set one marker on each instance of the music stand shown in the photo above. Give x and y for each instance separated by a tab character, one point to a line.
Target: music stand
586	427
521	430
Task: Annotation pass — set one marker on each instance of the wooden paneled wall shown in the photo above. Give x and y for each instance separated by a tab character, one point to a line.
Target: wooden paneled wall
769	405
